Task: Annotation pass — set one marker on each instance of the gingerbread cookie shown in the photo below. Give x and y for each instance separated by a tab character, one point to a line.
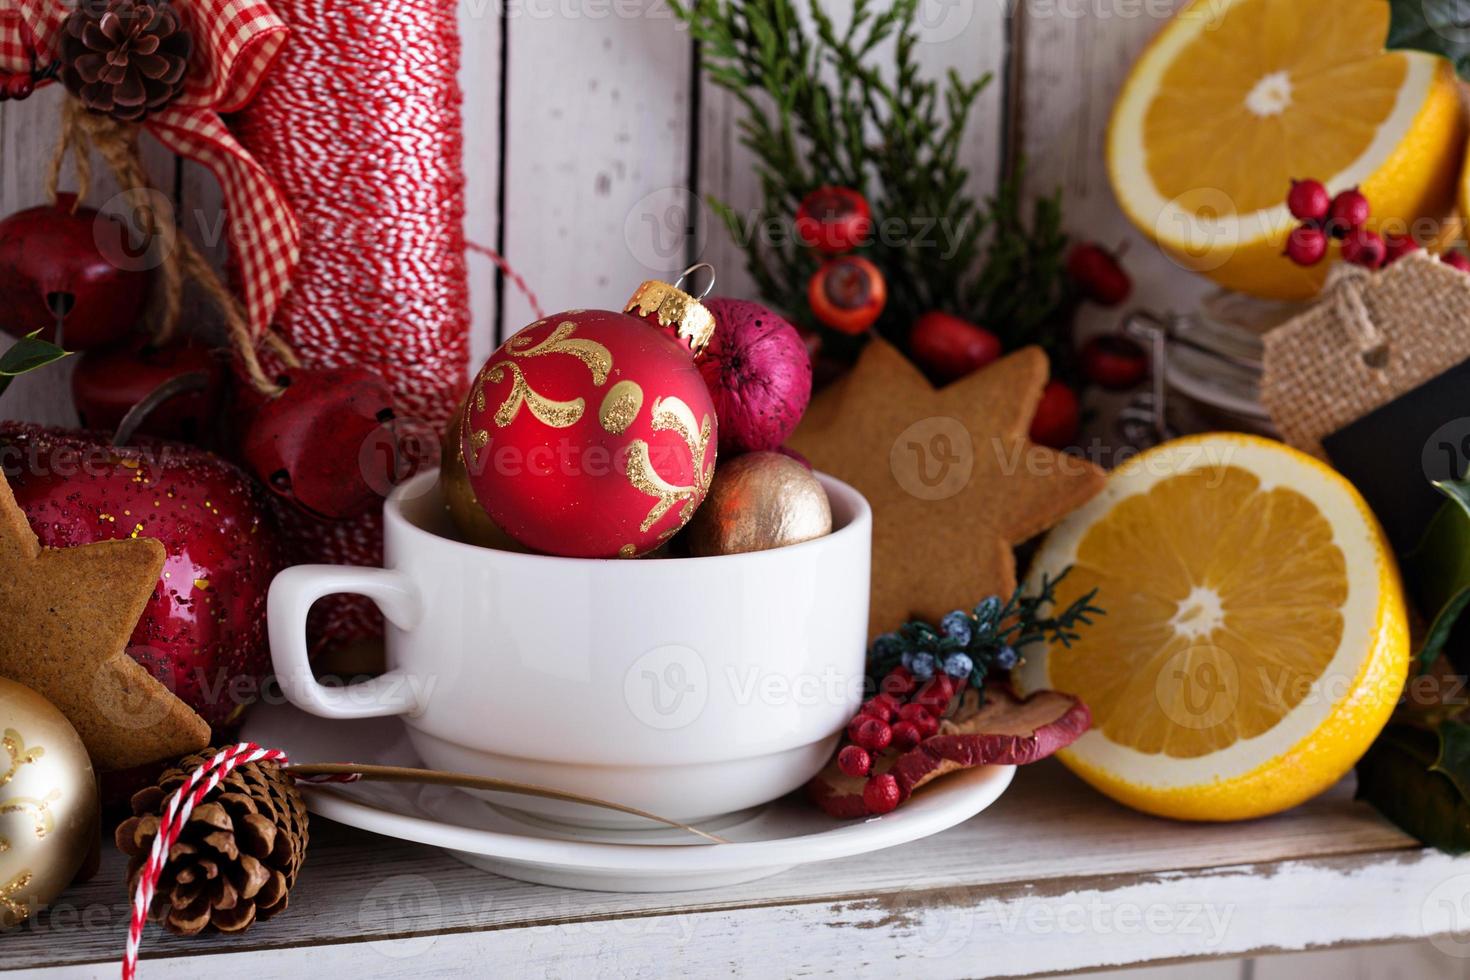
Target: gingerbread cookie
953	480
68	614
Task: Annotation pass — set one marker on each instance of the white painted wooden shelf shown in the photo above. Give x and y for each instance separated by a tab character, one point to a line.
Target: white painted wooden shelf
1053	878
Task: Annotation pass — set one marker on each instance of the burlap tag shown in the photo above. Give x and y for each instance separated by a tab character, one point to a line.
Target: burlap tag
1370	338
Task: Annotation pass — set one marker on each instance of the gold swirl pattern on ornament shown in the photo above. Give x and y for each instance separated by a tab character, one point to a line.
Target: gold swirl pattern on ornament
479	439
628	551
15	747
554	413
671	414
39	809
620	407
560	341
7	895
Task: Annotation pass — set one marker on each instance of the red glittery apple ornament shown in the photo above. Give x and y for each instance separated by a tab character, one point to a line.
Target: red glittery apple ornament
71	266
203	632
591	434
759	375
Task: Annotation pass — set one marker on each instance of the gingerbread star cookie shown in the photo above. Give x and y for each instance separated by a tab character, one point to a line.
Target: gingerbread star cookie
953	481
65	618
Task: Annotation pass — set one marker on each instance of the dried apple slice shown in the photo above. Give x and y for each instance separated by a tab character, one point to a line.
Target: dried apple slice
1004	730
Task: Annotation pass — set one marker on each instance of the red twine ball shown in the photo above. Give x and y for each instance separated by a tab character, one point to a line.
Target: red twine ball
375	180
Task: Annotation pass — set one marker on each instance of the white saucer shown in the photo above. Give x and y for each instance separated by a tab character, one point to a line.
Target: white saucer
763	841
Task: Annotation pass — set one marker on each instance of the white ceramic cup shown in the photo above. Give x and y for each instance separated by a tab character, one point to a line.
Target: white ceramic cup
689	687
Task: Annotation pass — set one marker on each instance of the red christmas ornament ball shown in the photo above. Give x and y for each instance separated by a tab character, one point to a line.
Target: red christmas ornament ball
591	434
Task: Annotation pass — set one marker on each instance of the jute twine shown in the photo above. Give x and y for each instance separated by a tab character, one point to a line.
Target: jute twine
180	260
1371	338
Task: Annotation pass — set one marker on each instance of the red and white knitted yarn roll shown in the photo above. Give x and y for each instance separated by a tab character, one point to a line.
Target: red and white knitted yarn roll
359	125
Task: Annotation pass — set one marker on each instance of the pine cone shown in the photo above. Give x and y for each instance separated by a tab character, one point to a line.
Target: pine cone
237	857
124	58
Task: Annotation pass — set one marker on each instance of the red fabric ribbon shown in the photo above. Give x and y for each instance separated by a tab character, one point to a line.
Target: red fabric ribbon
235	42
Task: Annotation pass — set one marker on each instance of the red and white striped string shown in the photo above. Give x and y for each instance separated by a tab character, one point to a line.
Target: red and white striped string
515	277
201	783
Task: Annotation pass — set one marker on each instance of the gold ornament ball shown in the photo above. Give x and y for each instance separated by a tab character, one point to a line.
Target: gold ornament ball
474	525
759	501
49	817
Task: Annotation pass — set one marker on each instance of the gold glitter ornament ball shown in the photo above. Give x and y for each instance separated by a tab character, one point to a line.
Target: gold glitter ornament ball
759	501
48	803
468	517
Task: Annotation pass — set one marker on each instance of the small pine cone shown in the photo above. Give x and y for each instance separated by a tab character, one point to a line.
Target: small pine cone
124	58
238	855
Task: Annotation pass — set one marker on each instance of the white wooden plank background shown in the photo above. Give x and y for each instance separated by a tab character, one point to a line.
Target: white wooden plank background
596	150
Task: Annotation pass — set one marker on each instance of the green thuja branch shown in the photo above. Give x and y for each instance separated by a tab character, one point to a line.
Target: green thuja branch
817	109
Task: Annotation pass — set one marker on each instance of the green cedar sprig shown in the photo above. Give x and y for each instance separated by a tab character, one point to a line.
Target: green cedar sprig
993	635
818	111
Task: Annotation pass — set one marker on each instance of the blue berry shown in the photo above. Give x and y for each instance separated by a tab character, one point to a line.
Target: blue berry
1006	658
987	609
887	645
907	659
956	626
958	665
922	666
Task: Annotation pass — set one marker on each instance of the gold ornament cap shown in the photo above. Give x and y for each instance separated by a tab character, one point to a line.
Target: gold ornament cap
670	306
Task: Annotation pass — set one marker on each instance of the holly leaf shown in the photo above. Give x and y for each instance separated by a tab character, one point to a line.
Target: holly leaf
1438	569
1440	27
1406	776
27	354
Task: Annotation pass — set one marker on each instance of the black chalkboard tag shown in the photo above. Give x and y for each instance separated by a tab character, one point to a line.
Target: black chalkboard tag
1393	452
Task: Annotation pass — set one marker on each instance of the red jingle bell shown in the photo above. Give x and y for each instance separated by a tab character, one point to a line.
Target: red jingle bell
321	441
591	434
72	268
110	381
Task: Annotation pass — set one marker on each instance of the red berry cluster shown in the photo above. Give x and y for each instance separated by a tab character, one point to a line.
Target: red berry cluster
1344	217
903	713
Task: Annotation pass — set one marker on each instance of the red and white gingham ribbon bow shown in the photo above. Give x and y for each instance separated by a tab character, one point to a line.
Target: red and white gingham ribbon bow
235	42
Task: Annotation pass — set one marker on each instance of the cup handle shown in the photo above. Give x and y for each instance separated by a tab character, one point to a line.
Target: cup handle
292	593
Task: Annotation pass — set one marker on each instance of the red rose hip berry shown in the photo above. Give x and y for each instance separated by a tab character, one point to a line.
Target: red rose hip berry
1097	273
880	795
854	761
906	735
1365	248
1308	200
1349	210
834	220
847	294
1058	417
949	347
1115	362
1397	246
1306	245
1456	260
870	733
